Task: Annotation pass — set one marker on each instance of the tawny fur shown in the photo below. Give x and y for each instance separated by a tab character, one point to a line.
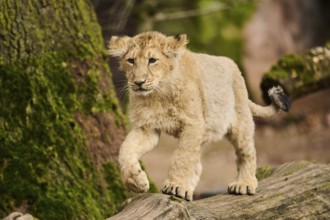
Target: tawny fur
197	98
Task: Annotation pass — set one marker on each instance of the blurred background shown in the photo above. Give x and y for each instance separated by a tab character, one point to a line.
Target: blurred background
255	34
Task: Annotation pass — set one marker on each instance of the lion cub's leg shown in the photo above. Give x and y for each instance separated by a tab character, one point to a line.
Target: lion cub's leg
241	135
185	167
138	142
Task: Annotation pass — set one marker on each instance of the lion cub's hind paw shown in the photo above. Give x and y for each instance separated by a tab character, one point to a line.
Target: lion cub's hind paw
177	191
242	188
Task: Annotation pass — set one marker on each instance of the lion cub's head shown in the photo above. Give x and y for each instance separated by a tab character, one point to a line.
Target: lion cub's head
147	59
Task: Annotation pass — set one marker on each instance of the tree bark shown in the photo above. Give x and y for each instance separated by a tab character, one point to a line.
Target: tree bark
60	122
298	190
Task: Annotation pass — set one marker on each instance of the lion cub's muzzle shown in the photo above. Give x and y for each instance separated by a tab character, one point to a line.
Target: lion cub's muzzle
141	87
139	83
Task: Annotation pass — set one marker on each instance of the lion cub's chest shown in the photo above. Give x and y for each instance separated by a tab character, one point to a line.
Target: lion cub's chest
158	115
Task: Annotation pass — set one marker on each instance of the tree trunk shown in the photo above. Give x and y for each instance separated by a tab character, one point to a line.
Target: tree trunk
298	190
60	123
301	74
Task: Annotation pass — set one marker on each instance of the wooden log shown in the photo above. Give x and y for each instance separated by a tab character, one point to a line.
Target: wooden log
296	190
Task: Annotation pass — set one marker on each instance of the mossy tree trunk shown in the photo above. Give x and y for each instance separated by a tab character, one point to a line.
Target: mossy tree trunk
60	124
300	74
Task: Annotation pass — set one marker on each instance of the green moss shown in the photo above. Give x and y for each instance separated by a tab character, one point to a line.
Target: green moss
289	66
44	161
270	197
175	199
153	188
278	74
294	167
115	186
264	172
301	73
326	184
291	61
325	188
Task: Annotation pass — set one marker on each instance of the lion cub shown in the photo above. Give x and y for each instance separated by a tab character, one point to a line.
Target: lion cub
197	98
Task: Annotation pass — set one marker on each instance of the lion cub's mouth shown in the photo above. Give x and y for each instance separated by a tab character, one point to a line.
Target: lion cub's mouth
142	91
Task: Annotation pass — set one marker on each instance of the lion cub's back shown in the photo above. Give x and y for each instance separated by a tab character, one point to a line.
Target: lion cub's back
217	75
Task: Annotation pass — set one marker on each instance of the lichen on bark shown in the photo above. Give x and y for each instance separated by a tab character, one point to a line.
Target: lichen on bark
264	172
300	74
56	100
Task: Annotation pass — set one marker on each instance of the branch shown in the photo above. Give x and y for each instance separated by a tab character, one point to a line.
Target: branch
215	8
300	75
187	14
293	190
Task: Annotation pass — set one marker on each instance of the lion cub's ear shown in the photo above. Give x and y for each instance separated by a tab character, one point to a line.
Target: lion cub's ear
118	46
174	43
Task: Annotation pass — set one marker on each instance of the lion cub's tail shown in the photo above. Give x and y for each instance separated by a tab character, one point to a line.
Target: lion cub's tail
279	101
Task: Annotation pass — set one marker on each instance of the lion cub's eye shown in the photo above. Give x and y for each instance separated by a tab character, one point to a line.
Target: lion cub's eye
152	60
130	61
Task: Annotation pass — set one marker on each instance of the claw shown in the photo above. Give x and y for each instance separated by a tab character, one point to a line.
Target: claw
241	188
164	188
177	191
186	196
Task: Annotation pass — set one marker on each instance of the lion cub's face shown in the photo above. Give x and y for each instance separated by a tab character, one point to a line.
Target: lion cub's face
147	59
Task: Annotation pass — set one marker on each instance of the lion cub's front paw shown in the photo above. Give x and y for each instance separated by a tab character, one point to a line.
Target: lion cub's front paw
243	186
135	178
178	190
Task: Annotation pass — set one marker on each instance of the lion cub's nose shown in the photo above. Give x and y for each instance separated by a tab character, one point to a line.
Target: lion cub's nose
139	83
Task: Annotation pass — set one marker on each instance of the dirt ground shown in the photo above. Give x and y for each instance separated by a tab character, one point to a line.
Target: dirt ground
308	139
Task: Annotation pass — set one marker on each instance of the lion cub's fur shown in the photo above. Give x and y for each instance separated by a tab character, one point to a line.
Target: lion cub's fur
197	98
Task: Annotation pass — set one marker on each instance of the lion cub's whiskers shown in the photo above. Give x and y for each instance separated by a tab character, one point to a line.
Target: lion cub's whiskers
122	88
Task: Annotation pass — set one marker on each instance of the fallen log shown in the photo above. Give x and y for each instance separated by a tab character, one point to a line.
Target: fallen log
296	190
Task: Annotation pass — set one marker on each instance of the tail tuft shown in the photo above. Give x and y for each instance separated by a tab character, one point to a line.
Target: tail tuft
279	98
